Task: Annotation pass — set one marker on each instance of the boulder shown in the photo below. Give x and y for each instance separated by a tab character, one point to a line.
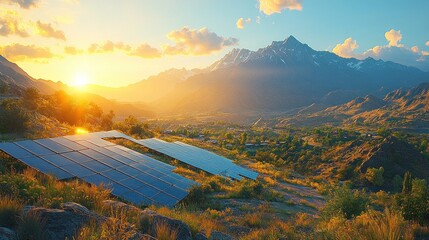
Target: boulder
65	222
6	234
215	235
150	220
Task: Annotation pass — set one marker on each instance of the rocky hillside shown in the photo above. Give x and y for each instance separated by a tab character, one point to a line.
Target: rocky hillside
399	108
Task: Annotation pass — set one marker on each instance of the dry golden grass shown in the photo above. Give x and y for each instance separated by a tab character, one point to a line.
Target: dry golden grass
10	209
164	232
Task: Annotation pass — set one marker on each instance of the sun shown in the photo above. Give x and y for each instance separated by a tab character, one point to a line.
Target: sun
80	80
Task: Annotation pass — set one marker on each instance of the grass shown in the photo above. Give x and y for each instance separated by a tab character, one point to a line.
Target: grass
164	232
10	209
31	226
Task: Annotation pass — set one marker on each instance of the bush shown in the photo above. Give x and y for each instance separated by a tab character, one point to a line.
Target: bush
248	189
10	209
345	202
31	227
375	176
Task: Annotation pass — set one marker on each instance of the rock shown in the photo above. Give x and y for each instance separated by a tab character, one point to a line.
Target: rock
200	236
151	220
6	234
116	206
215	235
66	222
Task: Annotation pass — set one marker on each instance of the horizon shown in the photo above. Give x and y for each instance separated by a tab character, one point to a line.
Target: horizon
76	43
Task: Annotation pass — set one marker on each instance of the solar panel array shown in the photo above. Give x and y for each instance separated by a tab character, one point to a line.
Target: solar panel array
199	158
131	175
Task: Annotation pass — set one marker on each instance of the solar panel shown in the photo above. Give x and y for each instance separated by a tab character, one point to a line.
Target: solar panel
46	167
69	144
54	146
57	160
131	175
98	179
78	170
199	158
115	175
164	199
15	150
137	198
97	166
34	148
77	157
148	190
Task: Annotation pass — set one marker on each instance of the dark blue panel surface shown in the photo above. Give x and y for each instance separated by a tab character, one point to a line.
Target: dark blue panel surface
54	146
58	160
68	143
77	157
98	179
78	170
15	150
136	198
148	191
129	170
115	175
97	166
34	147
164	199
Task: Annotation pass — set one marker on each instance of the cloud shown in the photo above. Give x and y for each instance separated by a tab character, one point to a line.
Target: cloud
394	37
393	51
19	52
346	49
197	42
108	46
415	49
145	51
241	22
46	30
10	24
427	43
276	6
72	50
22	3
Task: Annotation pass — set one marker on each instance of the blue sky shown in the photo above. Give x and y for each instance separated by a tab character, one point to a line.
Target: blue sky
133	39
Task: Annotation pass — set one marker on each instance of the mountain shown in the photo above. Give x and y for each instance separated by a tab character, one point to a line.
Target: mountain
148	90
399	108
12	74
17	80
282	77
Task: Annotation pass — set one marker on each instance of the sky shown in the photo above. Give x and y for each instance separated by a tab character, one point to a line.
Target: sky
116	43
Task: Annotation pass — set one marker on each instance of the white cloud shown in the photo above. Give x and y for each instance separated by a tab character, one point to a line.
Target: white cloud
145	51
276	6
346	49
196	42
427	43
393	37
11	24
241	22
46	30
19	52
392	51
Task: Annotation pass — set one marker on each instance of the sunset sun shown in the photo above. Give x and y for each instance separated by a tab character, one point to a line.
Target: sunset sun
80	80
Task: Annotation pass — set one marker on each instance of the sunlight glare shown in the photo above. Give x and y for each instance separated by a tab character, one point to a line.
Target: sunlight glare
80	80
81	131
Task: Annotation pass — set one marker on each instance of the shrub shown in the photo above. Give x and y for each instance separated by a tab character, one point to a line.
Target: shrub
31	227
10	209
164	232
375	176
248	189
346	202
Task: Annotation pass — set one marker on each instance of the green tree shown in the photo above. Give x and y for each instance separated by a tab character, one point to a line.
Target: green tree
375	176
31	98
407	184
243	138
346	202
